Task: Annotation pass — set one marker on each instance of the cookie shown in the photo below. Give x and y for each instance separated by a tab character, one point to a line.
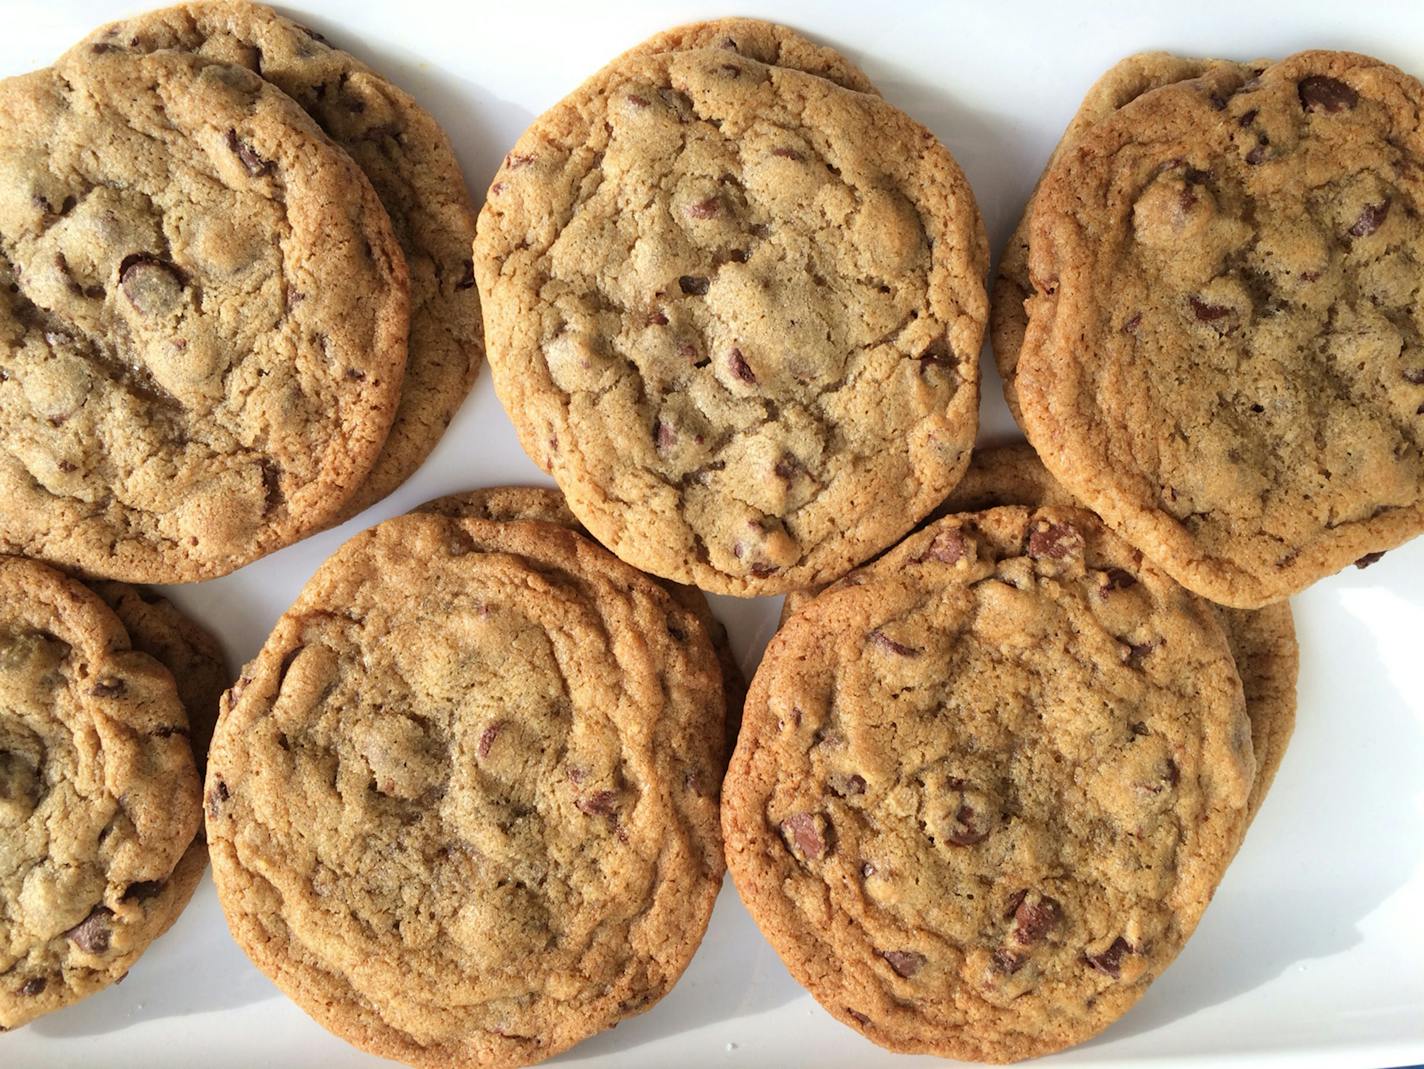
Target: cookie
413	170
463	805
505	503
981	799
204	318
766	42
734	310
1122	84
99	797
1223	355
1262	641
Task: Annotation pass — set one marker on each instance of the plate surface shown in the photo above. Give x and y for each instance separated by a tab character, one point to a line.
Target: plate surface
1311	953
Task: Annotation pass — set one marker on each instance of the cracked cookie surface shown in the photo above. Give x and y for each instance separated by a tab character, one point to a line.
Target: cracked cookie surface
1123	83
1247	405
546	505
1262	641
202	318
734	310
766	42
463	805
99	796
981	798
411	167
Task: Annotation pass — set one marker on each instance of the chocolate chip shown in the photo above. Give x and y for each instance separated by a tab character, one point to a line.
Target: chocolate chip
761	569
1208	313
271	485
637	101
1033	919
1055	541
599	803
91	935
487	737
142	891
867	869
705	209
846	786
1134	652
1015	900
859	1018
664	434
1415	375
1258	152
217	796
693	285
255	165
1371	216
947	547
1247	118
1007	962
788	154
889	645
1133	322
515	160
1319	93
108	687
967	827
35	985
1368	559
657	318
786	467
1109	962
740	368
804	833
1117	579
905	962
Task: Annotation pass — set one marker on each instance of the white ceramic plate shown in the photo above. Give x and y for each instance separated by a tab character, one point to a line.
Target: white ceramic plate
1312	953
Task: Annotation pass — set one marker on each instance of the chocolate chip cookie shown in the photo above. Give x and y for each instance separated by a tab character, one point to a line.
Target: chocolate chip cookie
546	505
981	798
734	310
1262	641
99	796
413	170
1223	356
1122	84
202	318
463	805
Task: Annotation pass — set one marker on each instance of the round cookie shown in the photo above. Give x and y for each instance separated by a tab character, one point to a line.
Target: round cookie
734	310
1123	83
203	313
413	170
766	42
463	805
99	797
1224	355
504	503
981	799
1262	641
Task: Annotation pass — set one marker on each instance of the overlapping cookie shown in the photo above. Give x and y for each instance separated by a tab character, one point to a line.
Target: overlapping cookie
205	315
982	796
1223	355
462	808
412	169
99	796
